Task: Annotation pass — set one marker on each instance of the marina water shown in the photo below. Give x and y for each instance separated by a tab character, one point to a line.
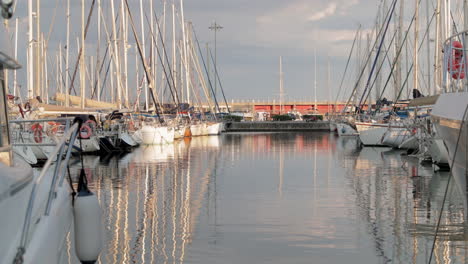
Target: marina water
274	198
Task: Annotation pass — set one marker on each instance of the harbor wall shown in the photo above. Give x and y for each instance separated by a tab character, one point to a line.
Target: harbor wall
277	126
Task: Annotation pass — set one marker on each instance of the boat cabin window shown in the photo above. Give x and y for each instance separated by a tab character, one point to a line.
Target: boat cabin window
5	156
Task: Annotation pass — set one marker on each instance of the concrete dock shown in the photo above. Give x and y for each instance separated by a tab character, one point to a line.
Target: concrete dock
268	126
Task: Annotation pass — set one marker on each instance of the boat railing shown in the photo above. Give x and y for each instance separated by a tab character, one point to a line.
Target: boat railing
62	123
58	160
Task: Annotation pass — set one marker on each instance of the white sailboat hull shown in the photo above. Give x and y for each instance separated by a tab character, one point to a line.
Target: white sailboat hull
157	135
214	129
197	130
452	127
371	134
395	136
89	145
345	130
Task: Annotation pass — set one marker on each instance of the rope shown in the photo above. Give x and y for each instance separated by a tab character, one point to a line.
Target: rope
448	183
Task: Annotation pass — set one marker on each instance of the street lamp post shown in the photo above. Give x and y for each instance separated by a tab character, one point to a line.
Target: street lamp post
215	27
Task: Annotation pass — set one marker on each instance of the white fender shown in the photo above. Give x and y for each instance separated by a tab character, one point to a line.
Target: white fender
88	227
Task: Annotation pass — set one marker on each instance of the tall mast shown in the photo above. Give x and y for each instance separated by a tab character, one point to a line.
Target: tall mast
184	48
152	46
116	57
174	60
328	86
16	57
281	84
67	66
428	47
437	79
163	64
98	54
125	50
315	79
399	47
30	51
38	61
465	18
145	84
83	56
416	40
60	75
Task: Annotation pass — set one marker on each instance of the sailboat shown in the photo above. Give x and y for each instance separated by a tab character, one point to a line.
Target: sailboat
40	215
450	113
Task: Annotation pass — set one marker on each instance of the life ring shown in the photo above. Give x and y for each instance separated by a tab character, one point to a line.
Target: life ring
37	131
456	66
85	132
36	126
38	136
54	126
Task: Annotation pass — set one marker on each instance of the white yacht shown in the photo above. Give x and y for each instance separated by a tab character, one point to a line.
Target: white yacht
38	214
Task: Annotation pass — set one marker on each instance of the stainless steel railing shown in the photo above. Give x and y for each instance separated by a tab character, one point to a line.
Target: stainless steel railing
63	147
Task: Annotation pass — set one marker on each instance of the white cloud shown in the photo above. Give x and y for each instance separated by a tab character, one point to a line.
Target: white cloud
328	11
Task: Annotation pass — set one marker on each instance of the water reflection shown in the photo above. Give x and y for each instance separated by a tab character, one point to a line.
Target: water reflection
275	198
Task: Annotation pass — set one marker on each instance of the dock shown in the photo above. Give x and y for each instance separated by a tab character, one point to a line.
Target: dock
283	126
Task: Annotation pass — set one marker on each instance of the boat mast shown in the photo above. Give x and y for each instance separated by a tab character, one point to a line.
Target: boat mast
281	84
174	59
152	46
16	57
399	44
415	47
328	86
315	80
83	56
184	48
67	96
145	84
125	50
30	50
428	47
60	75
437	82
38	61
98	54
465	18
116	57
163	63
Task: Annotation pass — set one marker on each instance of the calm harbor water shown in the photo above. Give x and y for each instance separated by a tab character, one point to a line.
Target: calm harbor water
275	198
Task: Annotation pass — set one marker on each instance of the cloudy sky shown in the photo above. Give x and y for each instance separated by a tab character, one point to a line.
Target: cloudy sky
255	33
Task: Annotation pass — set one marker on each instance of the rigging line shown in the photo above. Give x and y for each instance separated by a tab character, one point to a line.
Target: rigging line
346	67
53	21
411	67
220	85
100	71
367	59
105	77
91	9
206	70
147	73
172	89
377	55
448	183
176	95
386	56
